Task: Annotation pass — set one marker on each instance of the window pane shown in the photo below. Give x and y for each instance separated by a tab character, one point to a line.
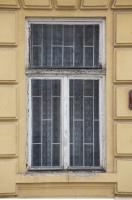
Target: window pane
36	119
56	155
78	143
36	56
36	33
96	46
97	144
46	45
89	35
68	35
64	46
57	34
88	155
36	152
71	121
46	123
57	56
46	143
96	100
68	56
46	98
88	119
78	99
89	56
84	124
56	119
78	46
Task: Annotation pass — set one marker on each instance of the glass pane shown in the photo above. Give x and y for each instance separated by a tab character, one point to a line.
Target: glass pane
57	56
68	57
36	155
96	145
89	35
36	56
57	34
46	143
36	88
78	46
56	155
88	88
36	33
78	99
56	119
36	119
47	45
68	35
56	88
96	99
88	120
96	46
89	56
78	143
88	156
46	98
71	154
71	88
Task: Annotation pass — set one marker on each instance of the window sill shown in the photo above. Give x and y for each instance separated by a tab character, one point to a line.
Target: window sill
67	177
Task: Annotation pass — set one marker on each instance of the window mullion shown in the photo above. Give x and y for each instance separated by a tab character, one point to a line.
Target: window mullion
66	134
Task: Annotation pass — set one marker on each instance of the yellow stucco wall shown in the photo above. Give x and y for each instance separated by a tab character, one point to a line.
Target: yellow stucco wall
15	179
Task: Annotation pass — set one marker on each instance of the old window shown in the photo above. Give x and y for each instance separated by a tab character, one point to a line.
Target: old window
66	105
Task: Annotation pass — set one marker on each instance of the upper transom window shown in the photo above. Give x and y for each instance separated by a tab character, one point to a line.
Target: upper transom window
65	45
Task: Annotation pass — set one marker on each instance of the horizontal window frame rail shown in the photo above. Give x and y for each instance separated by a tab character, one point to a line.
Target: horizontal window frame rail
68	20
62	72
70	169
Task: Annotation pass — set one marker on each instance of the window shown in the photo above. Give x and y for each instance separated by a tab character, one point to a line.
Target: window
66	95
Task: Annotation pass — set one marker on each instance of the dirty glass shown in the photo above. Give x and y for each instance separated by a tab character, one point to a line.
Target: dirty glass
84	123
64	46
45	96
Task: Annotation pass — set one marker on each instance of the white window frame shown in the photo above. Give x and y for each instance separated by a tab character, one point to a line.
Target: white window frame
64	75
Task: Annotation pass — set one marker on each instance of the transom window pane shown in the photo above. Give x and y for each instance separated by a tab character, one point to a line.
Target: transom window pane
64	46
45	97
84	123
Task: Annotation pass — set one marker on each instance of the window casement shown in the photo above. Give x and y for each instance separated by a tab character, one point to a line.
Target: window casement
66	92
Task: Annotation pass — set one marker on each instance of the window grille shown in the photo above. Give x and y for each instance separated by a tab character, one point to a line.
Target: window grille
65	46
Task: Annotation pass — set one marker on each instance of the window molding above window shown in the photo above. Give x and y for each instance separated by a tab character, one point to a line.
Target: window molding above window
65	75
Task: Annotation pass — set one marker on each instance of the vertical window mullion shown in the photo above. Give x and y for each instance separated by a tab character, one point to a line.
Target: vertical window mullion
30	126
93	43
73	45
41	120
51	45
83	125
84	46
101	119
62	46
51	127
93	124
66	134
